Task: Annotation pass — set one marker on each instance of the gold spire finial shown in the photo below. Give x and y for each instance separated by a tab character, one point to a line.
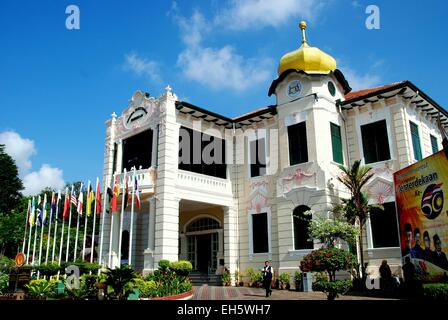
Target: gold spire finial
302	26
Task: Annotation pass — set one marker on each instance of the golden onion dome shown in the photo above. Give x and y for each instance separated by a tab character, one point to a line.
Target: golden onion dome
306	58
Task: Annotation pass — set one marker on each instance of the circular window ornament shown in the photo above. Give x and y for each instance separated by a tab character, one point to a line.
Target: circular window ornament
331	88
294	89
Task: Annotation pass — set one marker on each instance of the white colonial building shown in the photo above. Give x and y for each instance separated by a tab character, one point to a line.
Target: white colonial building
245	210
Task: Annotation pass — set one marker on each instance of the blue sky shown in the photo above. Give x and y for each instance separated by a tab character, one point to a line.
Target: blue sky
59	86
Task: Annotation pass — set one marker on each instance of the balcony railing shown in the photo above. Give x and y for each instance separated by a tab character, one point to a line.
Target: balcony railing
198	181
146	179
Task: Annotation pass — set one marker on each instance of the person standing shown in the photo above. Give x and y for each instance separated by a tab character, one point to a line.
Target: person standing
267	278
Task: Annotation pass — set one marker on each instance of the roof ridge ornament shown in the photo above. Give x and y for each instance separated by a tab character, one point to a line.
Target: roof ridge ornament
302	26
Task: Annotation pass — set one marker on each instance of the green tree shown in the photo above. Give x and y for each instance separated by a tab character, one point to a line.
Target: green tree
11	185
357	208
12	228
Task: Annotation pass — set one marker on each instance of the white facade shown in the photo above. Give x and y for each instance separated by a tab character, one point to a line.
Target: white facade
174	199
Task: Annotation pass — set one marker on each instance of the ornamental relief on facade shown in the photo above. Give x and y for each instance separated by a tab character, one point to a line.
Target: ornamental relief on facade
260	194
143	112
297	177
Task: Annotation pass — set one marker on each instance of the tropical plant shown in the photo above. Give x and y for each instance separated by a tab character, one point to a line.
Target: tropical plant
40	288
120	279
6	264
11	184
298	280
4	281
284	279
357	208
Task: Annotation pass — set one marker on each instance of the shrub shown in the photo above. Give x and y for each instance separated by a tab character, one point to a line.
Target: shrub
181	267
329	260
120	279
4	281
49	269
332	288
40	288
437	291
164	264
147	289
6	264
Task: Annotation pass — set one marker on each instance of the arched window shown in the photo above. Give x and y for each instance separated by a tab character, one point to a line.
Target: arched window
301	225
202	224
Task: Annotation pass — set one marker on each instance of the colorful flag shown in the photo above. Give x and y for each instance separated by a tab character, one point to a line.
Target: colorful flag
109	195
80	202
98	196
58	206
32	217
66	205
53	207
73	199
90	199
44	211
126	192
38	212
115	195
137	192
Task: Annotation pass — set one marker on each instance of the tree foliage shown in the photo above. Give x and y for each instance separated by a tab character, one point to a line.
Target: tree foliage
11	185
328	231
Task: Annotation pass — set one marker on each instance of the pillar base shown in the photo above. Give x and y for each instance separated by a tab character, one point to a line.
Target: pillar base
148	264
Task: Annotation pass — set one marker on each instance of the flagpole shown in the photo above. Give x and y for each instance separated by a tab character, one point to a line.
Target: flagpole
92	242
62	231
69	224
85	221
31	232
26	225
77	224
42	220
121	219
132	221
35	235
100	258
49	228
56	226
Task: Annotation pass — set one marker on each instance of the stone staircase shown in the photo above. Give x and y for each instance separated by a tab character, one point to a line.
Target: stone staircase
199	278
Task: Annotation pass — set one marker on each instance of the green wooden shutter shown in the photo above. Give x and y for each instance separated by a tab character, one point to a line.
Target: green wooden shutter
336	142
434	146
416	141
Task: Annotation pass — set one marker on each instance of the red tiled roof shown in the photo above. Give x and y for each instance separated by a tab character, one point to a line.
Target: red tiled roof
360	93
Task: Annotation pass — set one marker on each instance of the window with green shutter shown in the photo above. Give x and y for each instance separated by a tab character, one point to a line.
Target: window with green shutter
434	145
336	143
416	141
375	142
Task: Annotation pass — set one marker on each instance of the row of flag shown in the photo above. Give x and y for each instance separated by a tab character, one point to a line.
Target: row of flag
38	213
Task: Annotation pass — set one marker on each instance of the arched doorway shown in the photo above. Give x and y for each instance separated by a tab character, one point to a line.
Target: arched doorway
203	243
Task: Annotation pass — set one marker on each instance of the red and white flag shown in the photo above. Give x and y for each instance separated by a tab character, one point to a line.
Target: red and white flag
80	202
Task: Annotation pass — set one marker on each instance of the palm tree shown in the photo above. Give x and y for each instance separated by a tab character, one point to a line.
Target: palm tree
357	208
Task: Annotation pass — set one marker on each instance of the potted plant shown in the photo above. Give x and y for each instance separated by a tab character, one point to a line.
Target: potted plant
225	278
101	281
284	280
298	280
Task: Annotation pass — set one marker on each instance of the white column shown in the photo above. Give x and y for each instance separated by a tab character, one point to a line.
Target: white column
166	244
149	251
369	233
184	247
230	240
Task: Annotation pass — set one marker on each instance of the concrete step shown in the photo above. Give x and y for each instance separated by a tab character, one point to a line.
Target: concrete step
198	278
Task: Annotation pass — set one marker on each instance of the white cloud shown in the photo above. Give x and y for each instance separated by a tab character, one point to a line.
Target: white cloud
223	68
361	81
143	67
216	68
243	14
47	176
21	150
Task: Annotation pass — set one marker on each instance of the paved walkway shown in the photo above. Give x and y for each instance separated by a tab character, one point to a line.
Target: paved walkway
206	292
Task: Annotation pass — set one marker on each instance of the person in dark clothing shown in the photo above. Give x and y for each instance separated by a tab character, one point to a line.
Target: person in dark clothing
408	271
439	257
408	242
419	254
427	253
267	278
386	275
